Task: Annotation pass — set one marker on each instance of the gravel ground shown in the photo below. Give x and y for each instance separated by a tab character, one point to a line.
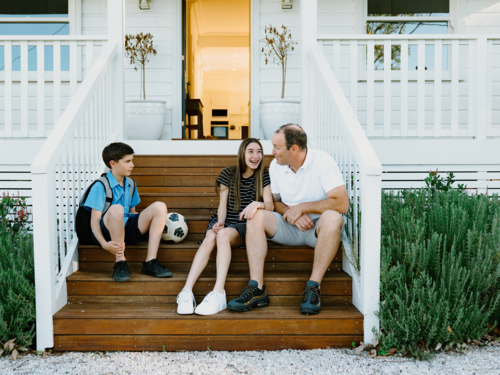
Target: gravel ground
330	361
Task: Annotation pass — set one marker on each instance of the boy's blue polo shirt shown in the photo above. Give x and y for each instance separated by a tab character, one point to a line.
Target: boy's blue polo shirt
97	196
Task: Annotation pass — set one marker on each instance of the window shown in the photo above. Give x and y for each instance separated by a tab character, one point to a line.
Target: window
408	17
35	17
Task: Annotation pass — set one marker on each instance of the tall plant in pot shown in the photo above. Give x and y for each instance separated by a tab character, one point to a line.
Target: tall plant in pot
144	119
278	111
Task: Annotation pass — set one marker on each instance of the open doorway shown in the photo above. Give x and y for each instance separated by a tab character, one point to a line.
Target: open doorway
216	69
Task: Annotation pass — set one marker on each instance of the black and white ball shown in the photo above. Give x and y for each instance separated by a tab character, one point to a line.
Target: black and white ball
176	228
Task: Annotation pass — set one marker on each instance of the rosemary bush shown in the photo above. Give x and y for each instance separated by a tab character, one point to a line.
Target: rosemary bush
17	286
440	271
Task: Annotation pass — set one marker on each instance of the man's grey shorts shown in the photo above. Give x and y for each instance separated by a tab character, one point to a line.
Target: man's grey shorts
288	234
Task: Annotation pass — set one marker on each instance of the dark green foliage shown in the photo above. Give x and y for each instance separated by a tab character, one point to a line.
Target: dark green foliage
17	287
440	271
435	182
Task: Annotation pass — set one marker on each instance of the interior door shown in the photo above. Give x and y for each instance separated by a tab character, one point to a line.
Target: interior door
183	91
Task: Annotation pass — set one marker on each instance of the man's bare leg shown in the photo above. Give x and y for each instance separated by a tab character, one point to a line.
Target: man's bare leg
153	219
113	220
262	225
329	229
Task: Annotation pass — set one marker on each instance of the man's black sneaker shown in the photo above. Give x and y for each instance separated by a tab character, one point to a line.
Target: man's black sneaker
250	297
311	303
121	272
154	268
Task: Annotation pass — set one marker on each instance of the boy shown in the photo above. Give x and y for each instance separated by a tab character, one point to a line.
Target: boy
121	225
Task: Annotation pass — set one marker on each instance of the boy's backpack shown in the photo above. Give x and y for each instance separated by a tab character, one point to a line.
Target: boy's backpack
83	216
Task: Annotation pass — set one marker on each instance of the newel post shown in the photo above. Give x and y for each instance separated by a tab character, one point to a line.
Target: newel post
116	34
46	256
309	35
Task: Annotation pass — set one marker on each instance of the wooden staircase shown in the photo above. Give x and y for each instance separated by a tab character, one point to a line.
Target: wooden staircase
141	314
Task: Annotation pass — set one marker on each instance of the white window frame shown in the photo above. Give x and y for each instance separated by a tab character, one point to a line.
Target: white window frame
74	20
363	18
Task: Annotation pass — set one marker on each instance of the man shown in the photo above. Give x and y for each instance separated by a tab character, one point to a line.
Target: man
309	197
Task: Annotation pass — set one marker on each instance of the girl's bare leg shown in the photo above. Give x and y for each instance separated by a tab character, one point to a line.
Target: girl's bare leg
226	238
201	259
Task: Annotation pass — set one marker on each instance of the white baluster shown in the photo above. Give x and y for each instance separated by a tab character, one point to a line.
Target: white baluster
404	88
89	56
24	90
40	88
421	89
472	90
387	88
455	59
57	81
370	89
73	67
8	88
438	64
354	76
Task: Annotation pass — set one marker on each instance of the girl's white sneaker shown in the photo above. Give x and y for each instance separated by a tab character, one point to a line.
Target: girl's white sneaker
185	302
212	304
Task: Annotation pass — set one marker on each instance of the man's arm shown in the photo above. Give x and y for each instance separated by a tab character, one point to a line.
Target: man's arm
337	200
279	206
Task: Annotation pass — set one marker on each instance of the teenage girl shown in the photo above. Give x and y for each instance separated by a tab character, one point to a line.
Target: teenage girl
244	189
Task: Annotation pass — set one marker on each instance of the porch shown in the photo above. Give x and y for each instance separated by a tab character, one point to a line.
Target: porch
385	128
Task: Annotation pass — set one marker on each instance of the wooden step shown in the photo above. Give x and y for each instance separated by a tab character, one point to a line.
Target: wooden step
186	250
141	300
189	161
159	327
278	283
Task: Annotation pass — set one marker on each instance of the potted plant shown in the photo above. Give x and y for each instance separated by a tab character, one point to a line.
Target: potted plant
278	111
144	119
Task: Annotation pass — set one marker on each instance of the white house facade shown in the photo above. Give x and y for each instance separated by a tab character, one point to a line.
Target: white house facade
434	104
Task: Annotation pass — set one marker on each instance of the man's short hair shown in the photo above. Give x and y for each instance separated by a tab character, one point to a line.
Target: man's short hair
115	151
293	136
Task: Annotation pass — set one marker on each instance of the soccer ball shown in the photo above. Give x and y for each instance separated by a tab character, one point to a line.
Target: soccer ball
176	228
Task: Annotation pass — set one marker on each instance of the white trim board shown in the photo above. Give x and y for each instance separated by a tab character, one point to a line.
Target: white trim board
19	151
437	151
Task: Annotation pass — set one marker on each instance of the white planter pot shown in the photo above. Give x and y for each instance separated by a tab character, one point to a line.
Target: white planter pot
277	112
145	119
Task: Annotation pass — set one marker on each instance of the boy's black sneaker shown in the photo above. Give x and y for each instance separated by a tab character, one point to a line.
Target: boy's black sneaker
311	303
121	272
154	268
250	297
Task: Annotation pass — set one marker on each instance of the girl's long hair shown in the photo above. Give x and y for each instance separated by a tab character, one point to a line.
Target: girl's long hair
239	169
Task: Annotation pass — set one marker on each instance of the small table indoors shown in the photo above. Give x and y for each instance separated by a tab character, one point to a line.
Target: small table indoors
194	107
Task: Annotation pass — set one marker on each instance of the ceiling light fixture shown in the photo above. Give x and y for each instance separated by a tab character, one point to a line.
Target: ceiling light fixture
144	5
234	70
286	4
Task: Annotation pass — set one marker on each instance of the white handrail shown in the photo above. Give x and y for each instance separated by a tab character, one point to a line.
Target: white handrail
404	36
74	112
335	129
358	142
54	38
66	164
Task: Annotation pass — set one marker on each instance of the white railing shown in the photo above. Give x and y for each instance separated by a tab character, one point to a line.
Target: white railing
38	77
334	128
68	161
432	86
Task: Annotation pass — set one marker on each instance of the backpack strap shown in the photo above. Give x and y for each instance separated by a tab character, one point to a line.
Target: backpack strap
107	190
132	187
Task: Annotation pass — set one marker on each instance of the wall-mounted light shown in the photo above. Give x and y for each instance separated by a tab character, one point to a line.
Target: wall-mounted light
287	4
144	5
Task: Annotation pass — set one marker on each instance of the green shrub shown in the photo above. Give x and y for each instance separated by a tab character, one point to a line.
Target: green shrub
17	286
440	271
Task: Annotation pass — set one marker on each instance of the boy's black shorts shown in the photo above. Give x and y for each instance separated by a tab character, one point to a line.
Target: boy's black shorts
132	232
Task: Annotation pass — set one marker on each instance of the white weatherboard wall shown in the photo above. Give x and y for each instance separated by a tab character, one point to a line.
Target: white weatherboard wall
334	16
161	22
480	17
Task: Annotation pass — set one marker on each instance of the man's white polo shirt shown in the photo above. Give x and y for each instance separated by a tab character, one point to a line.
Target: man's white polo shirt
318	175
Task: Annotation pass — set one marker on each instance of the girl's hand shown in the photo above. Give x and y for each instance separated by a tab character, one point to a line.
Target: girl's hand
250	210
217	227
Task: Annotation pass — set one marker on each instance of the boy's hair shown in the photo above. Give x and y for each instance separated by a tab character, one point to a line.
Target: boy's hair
115	151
